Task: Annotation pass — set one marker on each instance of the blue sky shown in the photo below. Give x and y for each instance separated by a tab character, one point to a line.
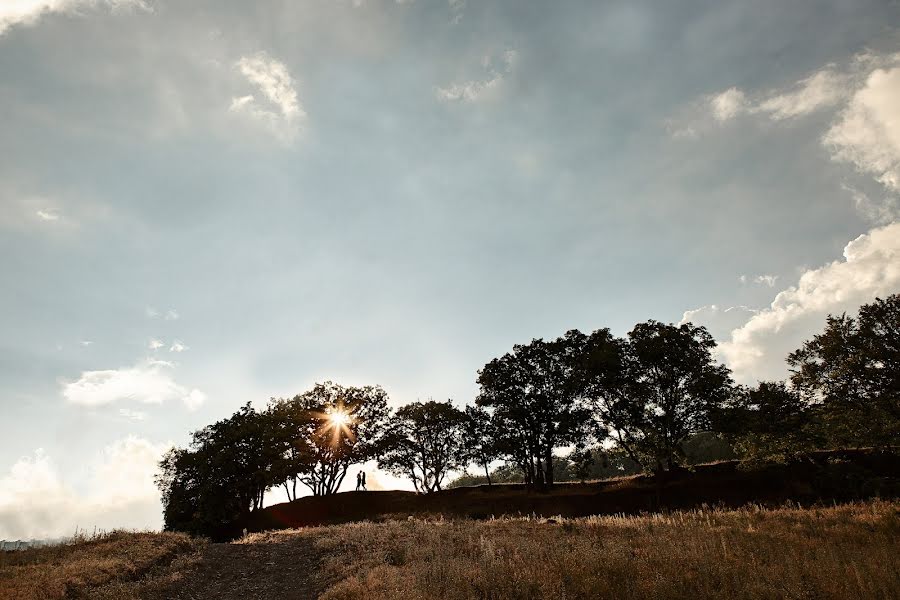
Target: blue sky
209	203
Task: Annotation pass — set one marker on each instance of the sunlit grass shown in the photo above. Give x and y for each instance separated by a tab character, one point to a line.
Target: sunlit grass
841	552
100	566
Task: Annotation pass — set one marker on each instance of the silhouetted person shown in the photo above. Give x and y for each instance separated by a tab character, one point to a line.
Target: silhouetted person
363	480
359	480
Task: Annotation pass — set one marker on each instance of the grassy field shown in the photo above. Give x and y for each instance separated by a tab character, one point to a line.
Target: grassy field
111	565
843	551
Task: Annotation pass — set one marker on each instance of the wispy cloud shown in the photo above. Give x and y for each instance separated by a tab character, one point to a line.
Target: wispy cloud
477	89
768	280
177	346
275	102
47	215
864	96
28	12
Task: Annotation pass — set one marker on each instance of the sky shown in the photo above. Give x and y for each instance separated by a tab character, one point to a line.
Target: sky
208	203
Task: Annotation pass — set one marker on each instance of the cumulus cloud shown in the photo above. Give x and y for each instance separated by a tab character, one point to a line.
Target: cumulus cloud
149	382
275	102
867	133
155	344
28	12
36	501
870	268
178	346
477	89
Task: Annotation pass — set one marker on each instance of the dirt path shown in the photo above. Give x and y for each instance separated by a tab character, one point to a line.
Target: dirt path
284	570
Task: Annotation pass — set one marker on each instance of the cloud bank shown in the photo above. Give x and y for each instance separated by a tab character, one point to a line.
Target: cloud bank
36	501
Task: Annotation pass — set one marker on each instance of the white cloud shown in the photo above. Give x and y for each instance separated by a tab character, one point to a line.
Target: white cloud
474	90
28	12
870	268
133	415
821	89
719	321
36	502
155	344
867	133
86	343
282	111
879	212
728	104
768	280
178	346
171	315
149	382
47	215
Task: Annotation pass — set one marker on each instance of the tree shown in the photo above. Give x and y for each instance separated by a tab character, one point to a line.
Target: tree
479	435
770	421
532	393
425	443
325	430
221	477
653	391
851	373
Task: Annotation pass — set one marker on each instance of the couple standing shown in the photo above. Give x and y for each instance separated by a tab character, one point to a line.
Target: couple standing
361	481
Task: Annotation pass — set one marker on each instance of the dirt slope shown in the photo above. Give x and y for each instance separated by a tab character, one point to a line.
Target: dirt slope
285	570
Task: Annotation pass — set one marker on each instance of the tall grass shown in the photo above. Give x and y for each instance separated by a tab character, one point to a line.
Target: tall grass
848	551
104	565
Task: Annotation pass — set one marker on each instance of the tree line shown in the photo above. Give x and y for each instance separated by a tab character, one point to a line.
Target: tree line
632	403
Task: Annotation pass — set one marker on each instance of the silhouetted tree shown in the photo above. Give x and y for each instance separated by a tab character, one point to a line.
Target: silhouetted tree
654	390
532	393
424	443
768	422
221	477
851	372
325	430
479	439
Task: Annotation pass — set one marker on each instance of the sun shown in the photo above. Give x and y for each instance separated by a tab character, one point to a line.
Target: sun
338	419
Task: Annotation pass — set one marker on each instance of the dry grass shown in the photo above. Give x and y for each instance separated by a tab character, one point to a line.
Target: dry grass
848	551
104	566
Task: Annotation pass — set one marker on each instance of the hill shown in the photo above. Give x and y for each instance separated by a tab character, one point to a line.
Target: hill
821	477
836	552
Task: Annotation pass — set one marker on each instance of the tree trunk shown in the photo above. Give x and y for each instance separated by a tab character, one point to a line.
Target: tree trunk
487	473
548	460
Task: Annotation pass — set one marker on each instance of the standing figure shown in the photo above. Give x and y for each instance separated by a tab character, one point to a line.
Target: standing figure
359	480
363	473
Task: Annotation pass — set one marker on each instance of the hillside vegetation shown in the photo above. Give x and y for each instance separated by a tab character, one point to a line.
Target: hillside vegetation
839	552
110	565
846	551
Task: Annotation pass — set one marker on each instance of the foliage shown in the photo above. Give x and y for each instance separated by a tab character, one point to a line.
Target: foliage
221	477
533	395
319	449
655	390
851	372
424	443
479	439
768	422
